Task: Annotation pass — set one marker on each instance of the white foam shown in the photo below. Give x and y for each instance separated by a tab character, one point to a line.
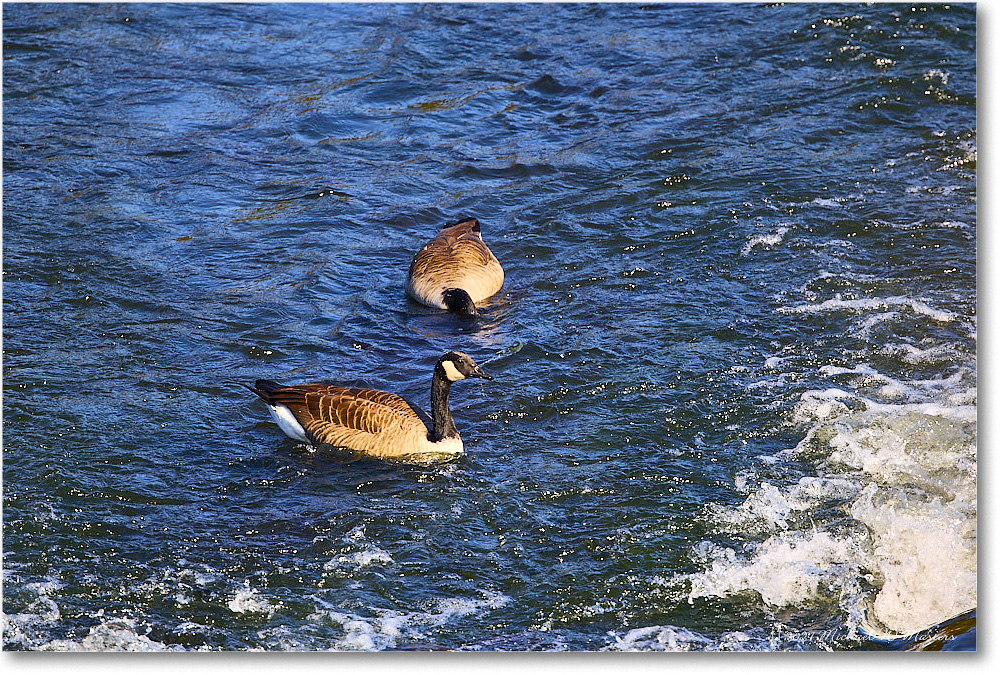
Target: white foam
897	482
675	639
202	577
22	628
774	362
769	509
868	304
925	553
111	635
365	554
249	600
887	525
917	356
818	406
769	240
360	559
785	569
957	391
861	369
660	638
388	627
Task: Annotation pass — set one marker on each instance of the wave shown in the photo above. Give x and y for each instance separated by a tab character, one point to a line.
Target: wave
886	527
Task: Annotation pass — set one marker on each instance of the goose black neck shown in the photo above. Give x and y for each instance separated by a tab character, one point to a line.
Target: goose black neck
444	425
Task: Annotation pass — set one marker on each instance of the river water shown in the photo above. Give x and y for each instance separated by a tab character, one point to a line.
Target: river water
735	354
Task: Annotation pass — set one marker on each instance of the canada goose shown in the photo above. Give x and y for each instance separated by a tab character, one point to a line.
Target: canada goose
455	270
369	422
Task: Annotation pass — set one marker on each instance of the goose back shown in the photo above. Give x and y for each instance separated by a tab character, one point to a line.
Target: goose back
457	258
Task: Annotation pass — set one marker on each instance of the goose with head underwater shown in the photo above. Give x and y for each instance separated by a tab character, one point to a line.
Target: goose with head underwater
455	270
371	423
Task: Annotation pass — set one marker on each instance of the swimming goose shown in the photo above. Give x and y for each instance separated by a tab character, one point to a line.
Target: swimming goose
369	422
455	270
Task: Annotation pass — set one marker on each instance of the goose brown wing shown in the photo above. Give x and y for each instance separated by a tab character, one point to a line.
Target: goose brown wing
348	416
470	250
453	253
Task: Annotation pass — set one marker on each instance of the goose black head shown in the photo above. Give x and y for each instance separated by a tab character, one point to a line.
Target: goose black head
455	366
458	300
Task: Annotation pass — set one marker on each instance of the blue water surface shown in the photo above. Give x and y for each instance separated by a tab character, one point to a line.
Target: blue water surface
740	247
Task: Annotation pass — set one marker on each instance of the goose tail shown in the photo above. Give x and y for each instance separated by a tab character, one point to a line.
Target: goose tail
468	219
263	389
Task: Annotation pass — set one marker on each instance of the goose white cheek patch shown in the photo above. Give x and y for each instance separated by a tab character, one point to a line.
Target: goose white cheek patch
451	372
